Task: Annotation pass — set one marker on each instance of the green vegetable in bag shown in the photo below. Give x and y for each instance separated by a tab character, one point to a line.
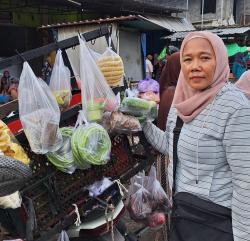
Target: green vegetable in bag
91	144
63	159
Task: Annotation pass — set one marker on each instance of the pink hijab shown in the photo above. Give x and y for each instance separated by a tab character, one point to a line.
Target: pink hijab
244	83
190	102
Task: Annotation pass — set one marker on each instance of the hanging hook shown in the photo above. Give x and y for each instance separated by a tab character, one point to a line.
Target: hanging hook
79	33
20	55
110	26
100	30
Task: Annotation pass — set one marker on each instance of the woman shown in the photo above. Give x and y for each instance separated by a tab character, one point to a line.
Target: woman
244	83
240	64
213	156
12	91
168	82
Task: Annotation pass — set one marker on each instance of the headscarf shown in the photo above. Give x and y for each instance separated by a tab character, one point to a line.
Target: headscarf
190	102
244	83
170	72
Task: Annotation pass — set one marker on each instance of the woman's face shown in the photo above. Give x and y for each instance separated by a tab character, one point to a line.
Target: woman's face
198	63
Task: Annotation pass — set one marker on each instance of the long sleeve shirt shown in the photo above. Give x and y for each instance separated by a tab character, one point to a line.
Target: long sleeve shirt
215	149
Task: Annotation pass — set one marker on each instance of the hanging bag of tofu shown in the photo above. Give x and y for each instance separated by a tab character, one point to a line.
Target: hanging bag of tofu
97	96
39	113
60	82
111	66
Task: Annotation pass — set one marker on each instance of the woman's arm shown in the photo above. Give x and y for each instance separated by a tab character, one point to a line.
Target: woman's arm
156	137
237	146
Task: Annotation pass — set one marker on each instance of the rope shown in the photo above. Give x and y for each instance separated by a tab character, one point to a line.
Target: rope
78	218
111	225
121	186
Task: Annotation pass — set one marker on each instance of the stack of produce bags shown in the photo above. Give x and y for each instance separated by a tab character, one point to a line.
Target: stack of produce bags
88	143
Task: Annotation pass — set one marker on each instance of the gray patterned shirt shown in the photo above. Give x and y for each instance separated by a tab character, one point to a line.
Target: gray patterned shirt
215	149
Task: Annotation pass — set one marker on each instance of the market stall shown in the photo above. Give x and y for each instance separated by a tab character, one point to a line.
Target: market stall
73	144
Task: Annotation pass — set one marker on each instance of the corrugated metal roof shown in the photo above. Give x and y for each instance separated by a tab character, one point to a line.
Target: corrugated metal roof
172	24
230	31
93	21
222	32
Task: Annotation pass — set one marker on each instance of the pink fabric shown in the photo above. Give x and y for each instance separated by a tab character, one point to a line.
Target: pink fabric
190	102
244	83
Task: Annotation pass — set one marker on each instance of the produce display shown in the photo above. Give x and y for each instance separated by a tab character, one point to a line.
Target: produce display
9	145
112	69
63	98
63	159
90	145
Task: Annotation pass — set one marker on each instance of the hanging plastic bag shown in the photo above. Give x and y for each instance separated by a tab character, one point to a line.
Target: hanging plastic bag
95	54
9	145
12	201
147	202
63	158
159	198
148	85
139	201
63	236
60	82
97	96
90	143
98	187
111	65
39	113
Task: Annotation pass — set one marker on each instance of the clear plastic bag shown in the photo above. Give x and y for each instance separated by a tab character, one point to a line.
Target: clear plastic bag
111	65
90	143
9	146
147	201
39	113
63	158
12	201
139	205
97	96
148	85
63	236
159	198
139	107
60	82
